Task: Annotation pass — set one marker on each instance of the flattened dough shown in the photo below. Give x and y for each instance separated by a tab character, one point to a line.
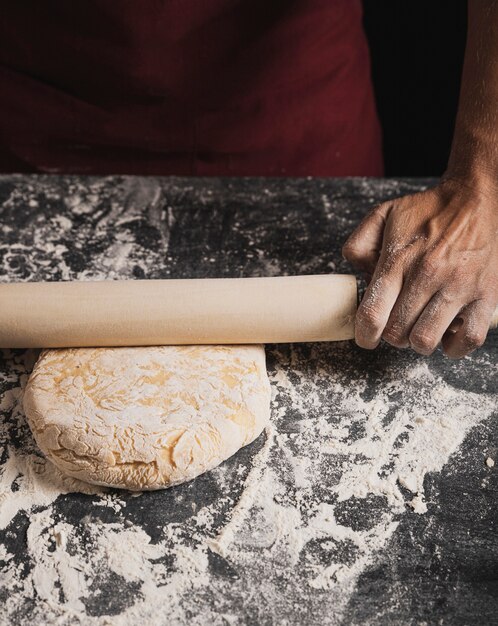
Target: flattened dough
146	418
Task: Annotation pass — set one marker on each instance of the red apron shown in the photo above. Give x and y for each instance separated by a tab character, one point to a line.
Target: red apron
202	87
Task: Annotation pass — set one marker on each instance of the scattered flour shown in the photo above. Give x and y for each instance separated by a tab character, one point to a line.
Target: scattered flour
277	528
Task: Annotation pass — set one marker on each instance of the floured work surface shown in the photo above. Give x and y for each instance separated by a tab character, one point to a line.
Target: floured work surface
368	501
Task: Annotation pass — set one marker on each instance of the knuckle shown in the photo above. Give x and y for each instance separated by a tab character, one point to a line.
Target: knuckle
397	257
445	298
381	209
396	342
395	335
351	250
474	338
423	343
369	317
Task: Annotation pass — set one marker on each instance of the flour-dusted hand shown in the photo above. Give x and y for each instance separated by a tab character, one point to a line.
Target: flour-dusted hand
434	260
434	255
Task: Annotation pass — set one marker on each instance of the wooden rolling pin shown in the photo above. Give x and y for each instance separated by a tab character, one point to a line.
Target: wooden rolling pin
162	312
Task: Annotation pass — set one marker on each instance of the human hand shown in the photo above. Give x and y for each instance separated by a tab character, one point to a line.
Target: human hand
433	257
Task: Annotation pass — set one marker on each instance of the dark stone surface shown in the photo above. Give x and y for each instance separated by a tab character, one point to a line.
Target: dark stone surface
437	568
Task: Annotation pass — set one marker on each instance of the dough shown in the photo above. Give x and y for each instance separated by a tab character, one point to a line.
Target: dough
147	417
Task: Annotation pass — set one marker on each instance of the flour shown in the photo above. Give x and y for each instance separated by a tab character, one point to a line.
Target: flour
238	514
276	528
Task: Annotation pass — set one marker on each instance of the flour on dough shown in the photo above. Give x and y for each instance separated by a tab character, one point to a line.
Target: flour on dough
146	418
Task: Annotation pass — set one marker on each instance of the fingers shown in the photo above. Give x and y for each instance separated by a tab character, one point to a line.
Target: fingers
433	257
418	290
363	247
378	301
363	250
437	318
425	306
472	331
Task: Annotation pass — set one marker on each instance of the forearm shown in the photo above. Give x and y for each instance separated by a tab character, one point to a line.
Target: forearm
434	255
474	153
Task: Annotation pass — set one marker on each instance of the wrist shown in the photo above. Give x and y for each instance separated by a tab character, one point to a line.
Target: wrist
473	163
470	192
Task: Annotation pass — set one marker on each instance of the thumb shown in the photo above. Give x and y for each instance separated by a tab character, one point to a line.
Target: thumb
362	248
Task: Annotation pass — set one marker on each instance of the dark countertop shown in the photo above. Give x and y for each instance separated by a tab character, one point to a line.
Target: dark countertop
368	502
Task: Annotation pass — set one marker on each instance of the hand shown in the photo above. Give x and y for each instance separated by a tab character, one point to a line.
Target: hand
434	260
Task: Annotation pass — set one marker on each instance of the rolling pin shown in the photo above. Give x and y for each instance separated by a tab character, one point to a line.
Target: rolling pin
175	312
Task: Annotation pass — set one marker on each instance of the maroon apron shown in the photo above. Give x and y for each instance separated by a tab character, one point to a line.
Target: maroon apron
203	87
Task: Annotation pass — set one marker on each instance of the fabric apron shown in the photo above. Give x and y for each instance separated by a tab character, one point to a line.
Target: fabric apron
194	87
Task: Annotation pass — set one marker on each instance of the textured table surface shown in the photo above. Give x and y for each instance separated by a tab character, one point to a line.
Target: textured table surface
368	501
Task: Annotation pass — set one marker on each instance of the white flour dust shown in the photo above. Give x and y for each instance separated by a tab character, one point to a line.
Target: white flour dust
314	506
